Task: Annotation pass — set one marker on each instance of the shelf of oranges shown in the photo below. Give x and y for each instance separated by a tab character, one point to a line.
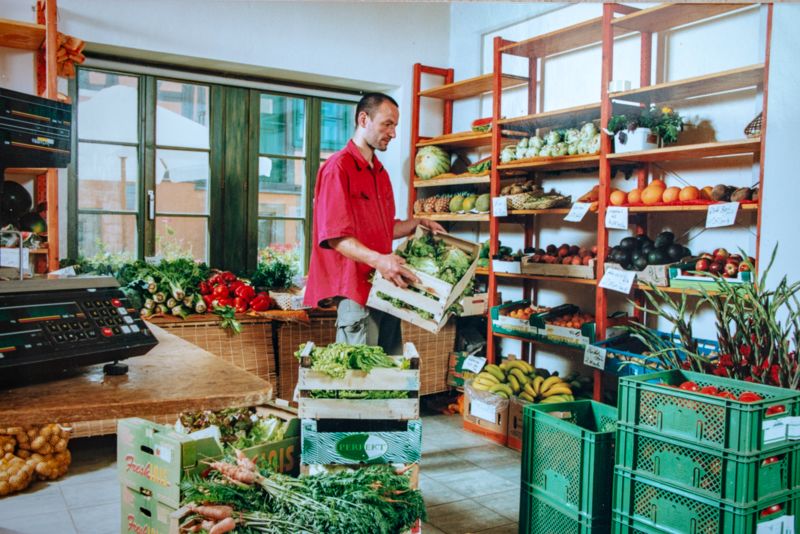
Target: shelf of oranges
657	197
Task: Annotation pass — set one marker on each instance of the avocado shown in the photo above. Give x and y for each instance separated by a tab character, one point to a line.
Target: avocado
640	263
647	247
656	257
628	243
665	238
636	254
642	239
624	257
675	252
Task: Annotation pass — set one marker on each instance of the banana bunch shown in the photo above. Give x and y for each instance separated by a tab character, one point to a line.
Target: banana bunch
521	379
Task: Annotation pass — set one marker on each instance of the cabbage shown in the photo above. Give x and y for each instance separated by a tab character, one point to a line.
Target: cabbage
425	264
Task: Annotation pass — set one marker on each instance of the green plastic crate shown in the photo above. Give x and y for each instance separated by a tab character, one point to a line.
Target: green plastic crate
737	479
645	402
348	441
646	505
540	514
568	453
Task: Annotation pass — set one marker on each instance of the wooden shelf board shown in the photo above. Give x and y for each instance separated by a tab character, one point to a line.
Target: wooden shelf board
554	163
558	41
536	341
483	271
573	116
471	217
676	290
683	152
26	171
691	207
580	281
468	139
21	35
667	16
456	180
472	87
708	84
553	211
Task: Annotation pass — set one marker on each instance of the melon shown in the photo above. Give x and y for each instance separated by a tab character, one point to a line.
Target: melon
482	204
469	203
431	161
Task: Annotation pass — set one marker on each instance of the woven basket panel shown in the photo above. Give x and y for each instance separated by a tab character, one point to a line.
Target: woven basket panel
434	355
87	429
322	331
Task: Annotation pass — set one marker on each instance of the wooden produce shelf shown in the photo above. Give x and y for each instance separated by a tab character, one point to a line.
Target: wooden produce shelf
708	84
26	171
557	163
552	211
21	35
559	118
472	87
536	341
576	36
667	16
455	217
676	290
691	207
455	180
468	139
483	271
684	152
580	281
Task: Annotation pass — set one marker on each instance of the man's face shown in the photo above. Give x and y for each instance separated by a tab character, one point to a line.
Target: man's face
380	128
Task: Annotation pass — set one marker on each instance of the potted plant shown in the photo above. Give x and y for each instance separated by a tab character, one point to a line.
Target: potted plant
651	128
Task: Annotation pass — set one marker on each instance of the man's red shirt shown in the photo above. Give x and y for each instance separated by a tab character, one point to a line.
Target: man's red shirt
351	199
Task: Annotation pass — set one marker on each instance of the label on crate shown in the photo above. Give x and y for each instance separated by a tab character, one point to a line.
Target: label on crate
473	363
577	212
792	428
618	280
483	410
779	525
774	430
721	214
165	453
594	357
500	206
617	218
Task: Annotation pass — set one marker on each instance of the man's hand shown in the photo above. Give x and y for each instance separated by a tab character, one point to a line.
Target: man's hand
433	226
391	268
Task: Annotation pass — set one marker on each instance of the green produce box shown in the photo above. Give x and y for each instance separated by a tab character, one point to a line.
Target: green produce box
143	513
349	441
568	454
679	277
644	505
155	457
541	514
740	480
502	323
647	402
561	335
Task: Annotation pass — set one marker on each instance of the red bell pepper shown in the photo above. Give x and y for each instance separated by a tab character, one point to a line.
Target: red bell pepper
689	386
245	291
220	291
234	285
261	302
240	304
709	390
749	396
222	302
209	300
205	288
227	276
778	408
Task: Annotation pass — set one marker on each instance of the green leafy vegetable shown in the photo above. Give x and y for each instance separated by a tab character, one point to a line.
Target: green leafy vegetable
335	359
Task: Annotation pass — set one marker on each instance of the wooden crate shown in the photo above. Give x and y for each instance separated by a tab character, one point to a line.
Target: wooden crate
379	379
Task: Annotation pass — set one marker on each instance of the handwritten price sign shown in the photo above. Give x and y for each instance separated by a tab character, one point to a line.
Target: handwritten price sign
618	280
577	212
474	364
721	214
617	218
594	357
500	206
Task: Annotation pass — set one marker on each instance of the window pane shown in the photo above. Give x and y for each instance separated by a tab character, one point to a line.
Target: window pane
182	237
281	187
182	114
282	125
286	236
182	181
107	106
336	127
106	233
107	177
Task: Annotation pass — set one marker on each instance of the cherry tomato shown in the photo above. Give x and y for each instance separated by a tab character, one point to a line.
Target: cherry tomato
779	408
749	396
709	390
771	510
689	386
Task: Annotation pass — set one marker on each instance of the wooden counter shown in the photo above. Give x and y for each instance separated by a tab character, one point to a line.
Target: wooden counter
175	376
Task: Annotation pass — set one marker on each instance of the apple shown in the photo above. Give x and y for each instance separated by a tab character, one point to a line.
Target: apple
574	250
736	257
552	249
715	267
536	258
707	256
563	251
744	267
720	254
586	260
576	260
566	260
594	250
702	265
731	269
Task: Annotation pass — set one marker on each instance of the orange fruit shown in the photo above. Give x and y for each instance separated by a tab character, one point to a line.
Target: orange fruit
671	194
618	198
635	196
651	195
658	182
689	192
705	193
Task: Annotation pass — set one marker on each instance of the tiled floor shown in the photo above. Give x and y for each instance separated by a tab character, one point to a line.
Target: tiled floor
470	485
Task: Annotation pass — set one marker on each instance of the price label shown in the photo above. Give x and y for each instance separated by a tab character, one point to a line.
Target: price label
618	280
483	410
721	214
594	357
775	430
500	206
577	212
474	364
779	525
617	218
792	427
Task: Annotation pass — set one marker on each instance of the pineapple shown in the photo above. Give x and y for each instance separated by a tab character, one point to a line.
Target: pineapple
418	205
442	204
428	205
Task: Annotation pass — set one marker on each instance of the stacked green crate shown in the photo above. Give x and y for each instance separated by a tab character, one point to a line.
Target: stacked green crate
699	463
567	466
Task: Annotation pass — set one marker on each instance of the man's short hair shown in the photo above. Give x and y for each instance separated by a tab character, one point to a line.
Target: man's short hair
370	103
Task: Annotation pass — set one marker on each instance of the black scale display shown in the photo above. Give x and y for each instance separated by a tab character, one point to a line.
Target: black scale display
49	326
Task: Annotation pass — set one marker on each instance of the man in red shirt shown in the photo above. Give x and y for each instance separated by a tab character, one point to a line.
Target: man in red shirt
354	225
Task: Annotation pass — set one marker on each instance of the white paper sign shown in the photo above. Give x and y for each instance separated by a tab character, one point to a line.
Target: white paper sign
594	357
9	257
474	364
577	212
618	280
779	525
774	430
617	217
721	214
483	410
500	206
792	427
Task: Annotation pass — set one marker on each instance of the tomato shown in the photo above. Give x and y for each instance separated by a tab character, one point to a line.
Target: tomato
771	510
726	395
771	460
749	396
689	386
709	390
779	408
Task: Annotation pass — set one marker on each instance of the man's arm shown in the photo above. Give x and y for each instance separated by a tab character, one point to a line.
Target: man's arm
407	227
389	265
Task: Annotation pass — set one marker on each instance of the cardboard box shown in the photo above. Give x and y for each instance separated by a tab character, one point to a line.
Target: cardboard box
515	407
347	441
477	304
655	274
490	421
143	513
155	457
557	269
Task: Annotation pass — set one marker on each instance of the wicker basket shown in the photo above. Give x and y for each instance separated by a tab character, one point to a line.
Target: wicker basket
754	128
322	331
